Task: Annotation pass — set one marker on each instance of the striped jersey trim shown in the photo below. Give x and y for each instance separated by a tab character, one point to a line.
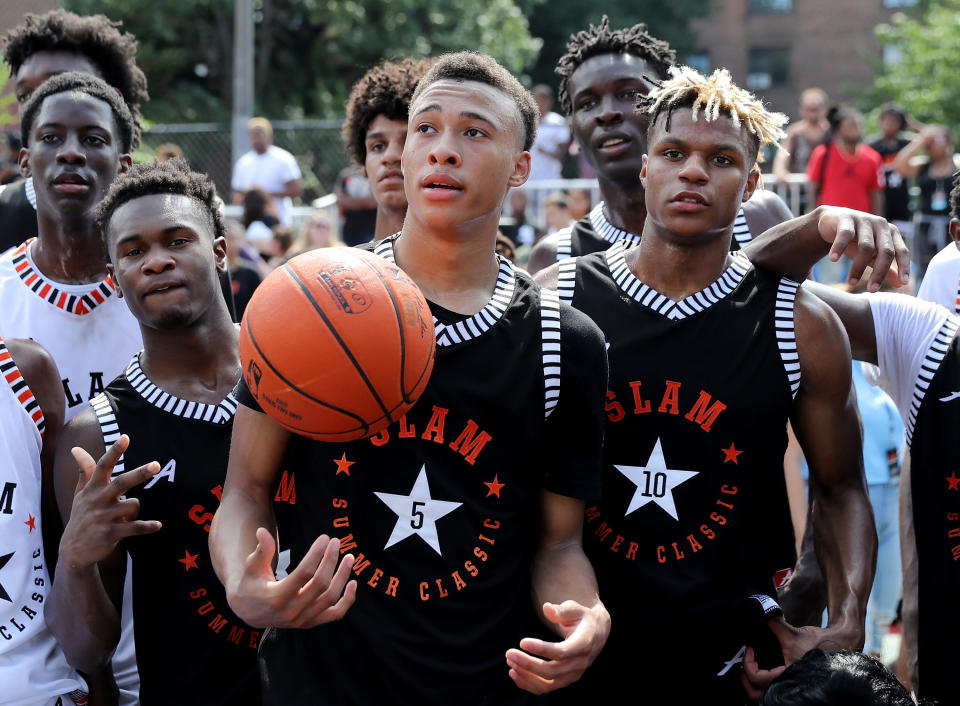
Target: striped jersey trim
478	324
606	230
109	426
550	330
14	378
567	279
741	230
48	290
786	333
220	413
660	303
30	192
928	368
564	243
956	302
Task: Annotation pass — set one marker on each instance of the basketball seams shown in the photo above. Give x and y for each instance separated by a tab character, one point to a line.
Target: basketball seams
400	330
336	334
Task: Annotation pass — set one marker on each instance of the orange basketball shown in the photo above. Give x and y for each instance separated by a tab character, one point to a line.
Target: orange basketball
337	344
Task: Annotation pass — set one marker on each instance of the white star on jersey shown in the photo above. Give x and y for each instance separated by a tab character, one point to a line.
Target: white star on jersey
655	482
417	513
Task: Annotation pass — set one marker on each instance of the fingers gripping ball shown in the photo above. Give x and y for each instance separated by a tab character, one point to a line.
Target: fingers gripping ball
336	344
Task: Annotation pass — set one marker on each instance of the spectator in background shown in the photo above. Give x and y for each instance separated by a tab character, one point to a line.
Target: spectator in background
358	208
553	138
934	176
244	274
168	151
259	217
317	232
54	43
9	151
941	282
888	144
804	135
556	211
273	169
580	203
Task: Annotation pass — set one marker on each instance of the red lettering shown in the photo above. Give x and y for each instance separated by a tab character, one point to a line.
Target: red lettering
707	532
723	504
339	503
217	623
254	638
694	544
287	489
671	398
953	516
703	414
341	522
205	608
380	438
470	443
236	634
424	596
592	513
199	515
375	578
198	593
218	493
360	564
443	592
718	518
486	539
954	533
491	524
728	489
640	405
392	586
347	543
434	430
613	408
471	568
676	550
457	581
407	431
632	551
616	543
661	555
480	554
602	531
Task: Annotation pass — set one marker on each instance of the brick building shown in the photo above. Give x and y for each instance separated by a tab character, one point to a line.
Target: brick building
11	14
777	48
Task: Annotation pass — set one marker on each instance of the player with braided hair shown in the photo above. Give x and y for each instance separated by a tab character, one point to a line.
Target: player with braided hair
53	43
692	534
375	130
602	75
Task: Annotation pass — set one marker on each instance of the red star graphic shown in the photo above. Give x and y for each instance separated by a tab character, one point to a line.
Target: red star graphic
953	481
31	522
495	485
343	465
731	454
189	560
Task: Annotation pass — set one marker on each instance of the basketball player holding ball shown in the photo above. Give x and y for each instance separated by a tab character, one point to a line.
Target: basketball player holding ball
417	549
161	432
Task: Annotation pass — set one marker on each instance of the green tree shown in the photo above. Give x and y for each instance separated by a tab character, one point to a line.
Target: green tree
922	81
309	52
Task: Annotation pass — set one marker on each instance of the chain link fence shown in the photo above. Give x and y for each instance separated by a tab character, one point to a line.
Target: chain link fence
316	145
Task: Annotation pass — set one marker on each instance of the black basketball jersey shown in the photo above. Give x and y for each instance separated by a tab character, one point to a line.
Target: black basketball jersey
441	510
190	647
693	524
18	213
594	233
935	485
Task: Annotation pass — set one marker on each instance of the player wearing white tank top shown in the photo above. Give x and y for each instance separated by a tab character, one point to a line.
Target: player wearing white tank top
33	670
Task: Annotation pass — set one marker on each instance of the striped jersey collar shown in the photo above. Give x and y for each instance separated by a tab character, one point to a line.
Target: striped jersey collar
13	377
606	230
469	327
660	303
72	299
221	413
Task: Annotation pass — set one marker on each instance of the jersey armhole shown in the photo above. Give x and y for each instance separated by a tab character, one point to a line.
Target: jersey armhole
18	386
109	426
928	368
550	338
786	332
567	279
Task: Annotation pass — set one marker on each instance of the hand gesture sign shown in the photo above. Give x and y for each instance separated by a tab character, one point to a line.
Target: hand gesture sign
100	516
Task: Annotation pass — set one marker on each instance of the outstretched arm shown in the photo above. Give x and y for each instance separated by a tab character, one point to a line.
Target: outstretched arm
827	425
565	594
794	247
243	544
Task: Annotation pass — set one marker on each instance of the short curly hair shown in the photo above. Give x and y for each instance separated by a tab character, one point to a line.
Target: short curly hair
96	37
600	39
74	81
955	197
171	177
474	66
385	90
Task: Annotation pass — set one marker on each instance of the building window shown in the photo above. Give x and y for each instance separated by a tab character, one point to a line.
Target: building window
769	68
899	3
756	7
700	61
892	54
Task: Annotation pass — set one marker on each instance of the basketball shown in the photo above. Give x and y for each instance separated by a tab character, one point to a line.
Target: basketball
336	344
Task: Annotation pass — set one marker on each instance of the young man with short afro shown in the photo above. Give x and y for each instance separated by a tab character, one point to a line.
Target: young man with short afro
602	74
375	131
52	43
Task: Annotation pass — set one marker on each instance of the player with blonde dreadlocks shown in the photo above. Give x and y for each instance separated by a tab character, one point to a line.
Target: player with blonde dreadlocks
709	357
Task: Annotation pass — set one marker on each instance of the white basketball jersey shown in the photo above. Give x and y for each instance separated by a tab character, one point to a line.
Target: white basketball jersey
87	328
33	670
